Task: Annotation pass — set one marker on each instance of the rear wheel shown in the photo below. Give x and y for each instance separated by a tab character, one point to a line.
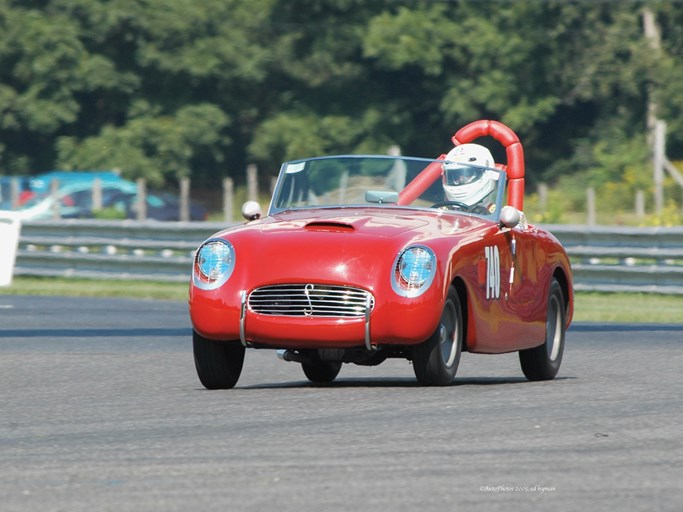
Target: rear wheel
543	362
218	363
436	360
319	371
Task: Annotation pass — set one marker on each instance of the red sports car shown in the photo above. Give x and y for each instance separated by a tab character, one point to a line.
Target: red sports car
364	258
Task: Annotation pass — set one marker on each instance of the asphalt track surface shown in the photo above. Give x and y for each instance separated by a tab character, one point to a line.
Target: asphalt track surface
100	409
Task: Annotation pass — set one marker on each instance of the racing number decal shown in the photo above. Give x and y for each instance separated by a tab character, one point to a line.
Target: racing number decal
492	272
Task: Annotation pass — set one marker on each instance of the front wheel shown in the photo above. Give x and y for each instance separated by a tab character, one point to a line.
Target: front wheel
218	363
436	360
543	362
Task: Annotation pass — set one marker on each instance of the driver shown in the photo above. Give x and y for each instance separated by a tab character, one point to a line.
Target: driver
465	180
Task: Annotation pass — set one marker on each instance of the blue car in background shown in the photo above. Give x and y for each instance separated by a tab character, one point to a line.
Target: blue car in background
41	184
30	187
74	200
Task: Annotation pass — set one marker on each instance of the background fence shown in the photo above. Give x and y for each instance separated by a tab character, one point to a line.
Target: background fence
603	258
608	258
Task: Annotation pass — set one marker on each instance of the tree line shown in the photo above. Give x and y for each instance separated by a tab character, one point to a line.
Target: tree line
167	89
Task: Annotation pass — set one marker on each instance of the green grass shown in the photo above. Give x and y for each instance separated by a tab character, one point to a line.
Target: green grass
74	287
589	307
628	308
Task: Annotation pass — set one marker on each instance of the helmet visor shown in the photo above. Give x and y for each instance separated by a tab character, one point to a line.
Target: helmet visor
462	175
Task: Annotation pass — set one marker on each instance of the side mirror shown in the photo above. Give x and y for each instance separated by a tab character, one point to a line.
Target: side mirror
509	217
251	210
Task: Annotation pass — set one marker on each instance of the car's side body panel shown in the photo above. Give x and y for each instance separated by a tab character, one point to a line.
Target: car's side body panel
515	319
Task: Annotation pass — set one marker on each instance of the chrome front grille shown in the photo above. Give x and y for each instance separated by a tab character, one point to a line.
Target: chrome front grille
315	300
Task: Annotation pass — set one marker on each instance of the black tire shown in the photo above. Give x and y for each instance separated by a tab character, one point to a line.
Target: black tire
543	362
319	371
218	363
436	360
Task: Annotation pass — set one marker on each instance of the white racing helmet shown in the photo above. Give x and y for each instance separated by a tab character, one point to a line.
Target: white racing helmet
464	174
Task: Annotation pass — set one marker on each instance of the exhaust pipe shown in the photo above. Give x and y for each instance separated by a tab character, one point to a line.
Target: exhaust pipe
294	356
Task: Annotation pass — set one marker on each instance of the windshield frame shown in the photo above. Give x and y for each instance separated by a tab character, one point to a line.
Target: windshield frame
433	180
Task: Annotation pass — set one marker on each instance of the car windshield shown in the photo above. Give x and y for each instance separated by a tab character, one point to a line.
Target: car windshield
388	181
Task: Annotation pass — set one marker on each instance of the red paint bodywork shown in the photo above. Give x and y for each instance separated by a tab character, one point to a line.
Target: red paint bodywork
357	247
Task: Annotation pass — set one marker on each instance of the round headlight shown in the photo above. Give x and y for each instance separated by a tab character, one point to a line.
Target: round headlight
213	264
414	270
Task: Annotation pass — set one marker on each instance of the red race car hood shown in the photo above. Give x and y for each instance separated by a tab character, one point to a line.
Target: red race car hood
338	245
374	223
371	222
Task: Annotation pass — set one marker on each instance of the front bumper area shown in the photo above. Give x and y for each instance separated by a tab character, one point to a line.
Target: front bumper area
400	322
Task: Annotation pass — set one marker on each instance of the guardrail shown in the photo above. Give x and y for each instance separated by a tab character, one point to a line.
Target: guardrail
158	251
626	259
603	258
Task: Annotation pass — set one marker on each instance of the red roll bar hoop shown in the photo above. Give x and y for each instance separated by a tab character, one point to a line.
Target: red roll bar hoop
513	152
